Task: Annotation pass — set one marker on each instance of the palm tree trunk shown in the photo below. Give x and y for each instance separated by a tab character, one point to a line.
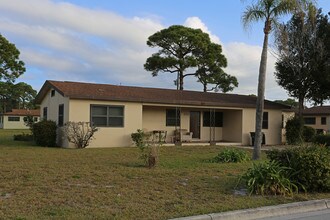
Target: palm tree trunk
260	100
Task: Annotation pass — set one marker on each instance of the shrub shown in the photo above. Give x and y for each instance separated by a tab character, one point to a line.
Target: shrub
149	150
231	155
308	133
44	133
309	166
79	133
23	137
294	130
268	178
322	139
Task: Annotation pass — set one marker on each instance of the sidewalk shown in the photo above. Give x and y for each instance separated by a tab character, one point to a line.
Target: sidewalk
264	212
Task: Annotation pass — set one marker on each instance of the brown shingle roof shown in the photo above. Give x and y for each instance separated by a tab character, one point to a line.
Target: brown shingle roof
318	110
23	112
106	92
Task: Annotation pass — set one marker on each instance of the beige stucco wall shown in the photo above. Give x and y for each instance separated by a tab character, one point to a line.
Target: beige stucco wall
232	126
14	124
52	104
318	124
109	136
274	132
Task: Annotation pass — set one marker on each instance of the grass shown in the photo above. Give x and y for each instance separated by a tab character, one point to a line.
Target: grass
54	183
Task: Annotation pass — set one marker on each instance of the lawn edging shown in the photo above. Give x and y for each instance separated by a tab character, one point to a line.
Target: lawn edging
264	212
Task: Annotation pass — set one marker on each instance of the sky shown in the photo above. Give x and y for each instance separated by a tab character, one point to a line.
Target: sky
104	41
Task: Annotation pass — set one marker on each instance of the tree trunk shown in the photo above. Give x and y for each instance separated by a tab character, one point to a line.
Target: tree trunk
204	87
260	100
181	80
301	106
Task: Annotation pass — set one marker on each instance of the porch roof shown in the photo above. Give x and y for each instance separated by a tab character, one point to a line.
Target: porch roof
107	92
23	112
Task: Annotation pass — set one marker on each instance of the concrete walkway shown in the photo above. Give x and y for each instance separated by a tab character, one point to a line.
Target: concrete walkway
265	212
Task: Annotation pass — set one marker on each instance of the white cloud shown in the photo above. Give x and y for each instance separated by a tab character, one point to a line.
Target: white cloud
197	23
68	42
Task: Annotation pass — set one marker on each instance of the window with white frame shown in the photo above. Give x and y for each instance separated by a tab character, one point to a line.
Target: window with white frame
107	115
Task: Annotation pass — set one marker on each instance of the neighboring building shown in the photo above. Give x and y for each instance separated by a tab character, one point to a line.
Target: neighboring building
120	110
318	118
17	117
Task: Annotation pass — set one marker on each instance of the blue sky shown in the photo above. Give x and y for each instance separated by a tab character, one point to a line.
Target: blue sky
104	41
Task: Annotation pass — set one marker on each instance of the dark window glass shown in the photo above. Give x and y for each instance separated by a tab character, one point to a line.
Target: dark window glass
13	118
45	113
323	120
309	120
107	116
60	115
172	117
52	93
265	120
211	119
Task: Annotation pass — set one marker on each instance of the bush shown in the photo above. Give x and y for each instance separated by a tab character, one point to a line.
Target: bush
149	150
309	166
268	178
44	133
308	133
231	155
322	139
79	133
294	131
23	137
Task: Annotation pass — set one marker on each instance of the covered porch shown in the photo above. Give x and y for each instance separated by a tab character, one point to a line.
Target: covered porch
193	125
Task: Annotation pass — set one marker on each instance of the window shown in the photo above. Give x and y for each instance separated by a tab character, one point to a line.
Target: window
265	120
323	120
52	93
35	119
309	120
60	115
208	118
107	116
173	117
13	118
45	113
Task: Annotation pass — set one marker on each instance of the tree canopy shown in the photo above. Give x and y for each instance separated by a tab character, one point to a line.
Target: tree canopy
210	64
302	66
184	49
16	96
11	67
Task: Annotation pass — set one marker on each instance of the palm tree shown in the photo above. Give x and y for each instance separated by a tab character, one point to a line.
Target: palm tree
269	12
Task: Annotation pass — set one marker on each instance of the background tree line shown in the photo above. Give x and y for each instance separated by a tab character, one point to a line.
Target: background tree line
13	96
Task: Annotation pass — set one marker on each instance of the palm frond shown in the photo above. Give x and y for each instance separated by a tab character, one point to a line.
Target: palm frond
253	13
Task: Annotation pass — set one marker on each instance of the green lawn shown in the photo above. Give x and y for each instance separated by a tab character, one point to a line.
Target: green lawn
53	183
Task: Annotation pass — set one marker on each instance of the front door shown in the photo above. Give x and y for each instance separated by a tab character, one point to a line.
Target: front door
195	124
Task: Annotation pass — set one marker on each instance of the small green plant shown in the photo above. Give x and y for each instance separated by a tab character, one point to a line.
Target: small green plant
79	133
294	131
44	133
231	155
268	178
149	149
309	166
308	133
23	137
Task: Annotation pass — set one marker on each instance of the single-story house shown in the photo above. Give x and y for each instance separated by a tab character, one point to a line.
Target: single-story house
17	117
120	110
318	118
